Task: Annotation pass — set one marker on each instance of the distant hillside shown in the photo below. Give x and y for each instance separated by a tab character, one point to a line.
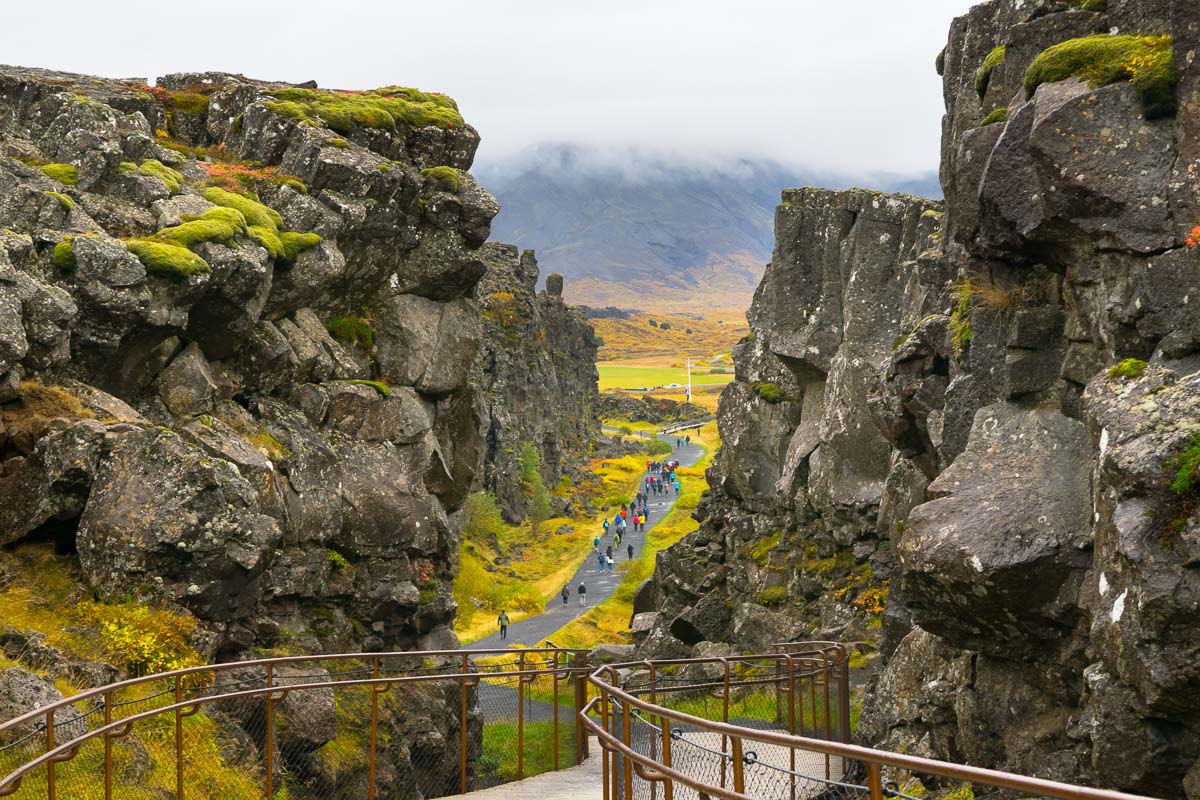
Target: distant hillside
651	233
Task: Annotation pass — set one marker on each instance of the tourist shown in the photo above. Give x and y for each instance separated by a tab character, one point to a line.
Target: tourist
566	595
629	550
582	595
677	487
600	561
502	621
596	541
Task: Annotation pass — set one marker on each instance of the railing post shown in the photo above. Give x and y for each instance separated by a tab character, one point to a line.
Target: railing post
739	776
108	781
653	719
554	691
875	781
462	754
844	695
51	783
581	675
521	717
668	784
372	732
270	734
724	715
178	739
627	738
827	672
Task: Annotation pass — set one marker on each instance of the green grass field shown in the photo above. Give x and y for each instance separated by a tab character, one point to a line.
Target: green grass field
614	377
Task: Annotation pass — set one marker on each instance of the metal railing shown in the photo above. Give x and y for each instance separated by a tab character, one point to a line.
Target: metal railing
778	729
409	724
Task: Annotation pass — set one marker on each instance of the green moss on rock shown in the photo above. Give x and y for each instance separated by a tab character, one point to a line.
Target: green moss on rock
775	596
984	74
64	253
381	108
1129	368
378	386
153	168
65	174
64	201
294	243
256	213
1145	61
167	259
770	392
446	176
996	115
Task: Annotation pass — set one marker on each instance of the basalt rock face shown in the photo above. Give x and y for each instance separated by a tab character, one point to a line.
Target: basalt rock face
261	412
946	415
538	380
795	492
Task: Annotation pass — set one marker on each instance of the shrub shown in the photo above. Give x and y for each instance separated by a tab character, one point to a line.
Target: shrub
994	116
1193	239
64	202
336	560
353	329
984	74
657	447
960	318
167	259
1186	466
1129	368
64	253
142	639
446	176
775	596
1145	61
65	174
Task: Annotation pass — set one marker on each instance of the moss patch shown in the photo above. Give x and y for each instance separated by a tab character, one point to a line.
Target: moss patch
1091	5
996	115
1186	467
295	243
1145	61
384	109
1129	368
65	202
336	560
773	597
960	318
378	386
64	253
153	168
256	213
446	176
983	75
770	392
65	174
167	259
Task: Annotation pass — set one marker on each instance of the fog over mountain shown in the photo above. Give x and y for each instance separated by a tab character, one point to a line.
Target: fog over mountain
640	230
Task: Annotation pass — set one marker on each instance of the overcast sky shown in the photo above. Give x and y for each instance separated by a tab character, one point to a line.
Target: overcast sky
836	84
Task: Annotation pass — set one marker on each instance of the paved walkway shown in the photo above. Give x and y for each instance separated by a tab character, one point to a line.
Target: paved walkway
577	783
600	585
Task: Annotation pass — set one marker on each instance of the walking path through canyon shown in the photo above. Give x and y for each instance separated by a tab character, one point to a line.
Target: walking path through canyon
600	585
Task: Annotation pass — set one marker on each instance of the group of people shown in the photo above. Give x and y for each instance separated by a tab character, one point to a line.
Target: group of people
660	476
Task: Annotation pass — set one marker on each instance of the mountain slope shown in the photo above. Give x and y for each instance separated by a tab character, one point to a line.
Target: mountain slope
645	232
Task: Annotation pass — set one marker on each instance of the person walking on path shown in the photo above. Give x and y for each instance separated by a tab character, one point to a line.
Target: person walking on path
677	487
610	564
582	595
596	540
629	550
608	554
600	560
566	593
502	621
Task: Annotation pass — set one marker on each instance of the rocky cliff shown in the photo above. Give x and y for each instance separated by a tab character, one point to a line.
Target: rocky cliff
971	439
237	341
538	381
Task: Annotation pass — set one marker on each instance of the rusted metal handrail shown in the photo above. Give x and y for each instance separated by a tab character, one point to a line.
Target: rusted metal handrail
659	768
58	750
